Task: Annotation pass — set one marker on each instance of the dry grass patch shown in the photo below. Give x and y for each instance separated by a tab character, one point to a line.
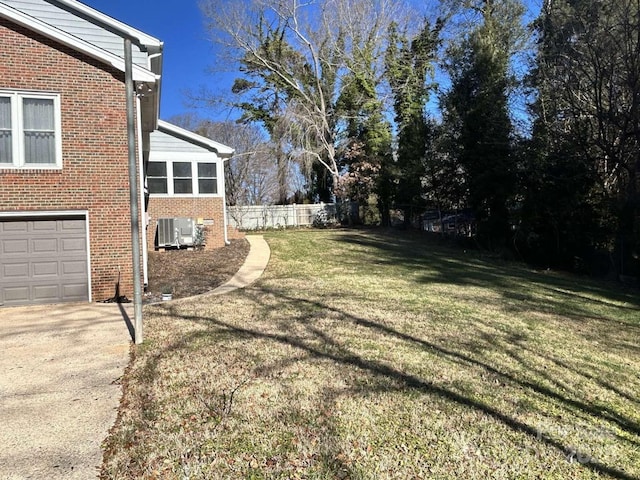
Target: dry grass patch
365	355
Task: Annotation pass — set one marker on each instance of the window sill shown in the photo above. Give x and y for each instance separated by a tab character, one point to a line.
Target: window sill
184	195
10	169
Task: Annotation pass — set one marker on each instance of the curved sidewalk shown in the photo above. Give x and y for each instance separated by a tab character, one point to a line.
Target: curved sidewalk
252	268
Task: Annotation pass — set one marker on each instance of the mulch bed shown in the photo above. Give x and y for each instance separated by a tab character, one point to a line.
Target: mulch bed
192	272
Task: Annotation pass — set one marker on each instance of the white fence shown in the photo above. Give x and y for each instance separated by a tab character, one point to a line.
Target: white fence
260	217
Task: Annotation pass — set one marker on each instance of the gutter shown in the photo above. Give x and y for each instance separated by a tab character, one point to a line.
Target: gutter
220	149
156	65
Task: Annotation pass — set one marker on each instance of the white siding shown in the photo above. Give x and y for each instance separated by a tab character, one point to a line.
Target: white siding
163	142
77	26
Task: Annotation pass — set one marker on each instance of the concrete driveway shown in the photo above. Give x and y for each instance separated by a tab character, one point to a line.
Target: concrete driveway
59	388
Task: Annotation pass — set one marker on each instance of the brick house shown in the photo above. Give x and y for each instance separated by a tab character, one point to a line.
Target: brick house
185	179
65	228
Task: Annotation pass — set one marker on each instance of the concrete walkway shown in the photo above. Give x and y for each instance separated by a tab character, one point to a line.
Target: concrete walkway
252	268
59	390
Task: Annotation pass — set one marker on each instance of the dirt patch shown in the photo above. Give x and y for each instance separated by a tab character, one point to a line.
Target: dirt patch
192	272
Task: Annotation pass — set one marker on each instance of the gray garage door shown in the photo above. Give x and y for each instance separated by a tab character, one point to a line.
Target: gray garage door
43	260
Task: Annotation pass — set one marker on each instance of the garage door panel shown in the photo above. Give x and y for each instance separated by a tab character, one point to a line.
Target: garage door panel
78	268
73	245
15	246
45	226
45	269
16	271
44	245
73	225
13	226
74	292
16	295
50	292
43	260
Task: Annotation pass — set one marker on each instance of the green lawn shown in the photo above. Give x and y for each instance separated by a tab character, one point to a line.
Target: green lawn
364	355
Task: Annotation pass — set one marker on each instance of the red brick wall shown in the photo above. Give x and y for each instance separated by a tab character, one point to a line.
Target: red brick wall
206	208
94	176
234	234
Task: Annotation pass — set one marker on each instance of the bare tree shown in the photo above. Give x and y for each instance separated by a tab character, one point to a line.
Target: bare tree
187	120
250	176
254	175
303	53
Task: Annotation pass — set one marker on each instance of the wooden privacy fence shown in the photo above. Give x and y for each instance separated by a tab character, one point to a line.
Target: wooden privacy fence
259	217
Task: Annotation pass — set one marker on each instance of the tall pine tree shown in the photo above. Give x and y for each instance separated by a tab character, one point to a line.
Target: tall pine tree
408	66
476	116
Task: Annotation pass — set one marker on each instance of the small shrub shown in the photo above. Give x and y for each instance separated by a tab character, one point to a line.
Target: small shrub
322	219
199	237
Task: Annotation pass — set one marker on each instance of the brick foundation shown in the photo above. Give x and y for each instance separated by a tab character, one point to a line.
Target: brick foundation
208	209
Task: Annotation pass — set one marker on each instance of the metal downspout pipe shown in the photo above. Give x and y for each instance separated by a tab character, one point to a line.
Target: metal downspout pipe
133	191
224	206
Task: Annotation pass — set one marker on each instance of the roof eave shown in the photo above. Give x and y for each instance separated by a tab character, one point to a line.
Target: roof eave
223	151
150	44
139	74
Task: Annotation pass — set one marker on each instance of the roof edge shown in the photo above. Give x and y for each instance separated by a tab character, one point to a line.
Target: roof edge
152	44
223	150
139	73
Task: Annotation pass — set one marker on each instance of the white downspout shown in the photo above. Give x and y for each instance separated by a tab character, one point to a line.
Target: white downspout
145	216
224	205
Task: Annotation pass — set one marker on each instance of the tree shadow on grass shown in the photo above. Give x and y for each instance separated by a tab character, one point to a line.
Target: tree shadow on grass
607	307
621	421
515	348
443	264
303	331
320	344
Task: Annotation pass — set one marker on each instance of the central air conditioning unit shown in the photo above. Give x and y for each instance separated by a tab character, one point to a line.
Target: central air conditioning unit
175	232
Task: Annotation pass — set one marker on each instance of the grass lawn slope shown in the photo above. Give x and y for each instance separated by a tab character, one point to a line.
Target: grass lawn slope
369	355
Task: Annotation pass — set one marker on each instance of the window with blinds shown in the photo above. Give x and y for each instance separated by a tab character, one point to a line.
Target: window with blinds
30	134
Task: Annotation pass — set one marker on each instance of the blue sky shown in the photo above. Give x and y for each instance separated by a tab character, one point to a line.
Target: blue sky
188	54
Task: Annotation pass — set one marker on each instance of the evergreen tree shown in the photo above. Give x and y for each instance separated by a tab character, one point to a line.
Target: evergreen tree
367	132
476	115
408	65
588	123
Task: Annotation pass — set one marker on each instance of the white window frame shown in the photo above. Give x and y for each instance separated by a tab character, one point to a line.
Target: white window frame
17	130
175	177
194	159
165	177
